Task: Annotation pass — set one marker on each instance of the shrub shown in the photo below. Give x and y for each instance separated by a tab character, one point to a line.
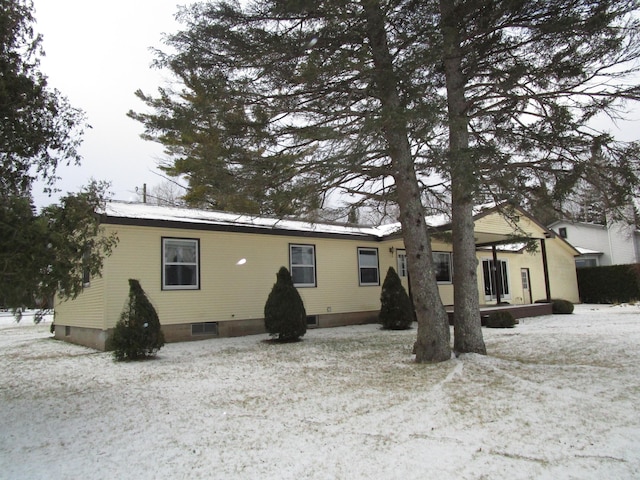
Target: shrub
284	313
609	284
561	306
502	319
396	311
137	334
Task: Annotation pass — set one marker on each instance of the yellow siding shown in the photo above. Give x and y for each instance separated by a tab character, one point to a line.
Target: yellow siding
515	262
497	224
87	310
234	292
563	277
237	292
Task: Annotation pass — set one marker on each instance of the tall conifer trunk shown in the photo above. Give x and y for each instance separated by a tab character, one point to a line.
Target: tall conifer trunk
433	326
467	327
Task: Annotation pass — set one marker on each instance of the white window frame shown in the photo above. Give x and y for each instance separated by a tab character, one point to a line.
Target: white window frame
504	272
187	242
369	250
312	265
449	261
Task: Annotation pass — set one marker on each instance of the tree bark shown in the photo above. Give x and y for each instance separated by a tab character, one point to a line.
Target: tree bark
467	326
433	325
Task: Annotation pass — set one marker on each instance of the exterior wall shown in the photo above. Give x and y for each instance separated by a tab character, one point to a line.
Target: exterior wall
563	279
623	240
497	226
515	262
233	295
228	292
619	243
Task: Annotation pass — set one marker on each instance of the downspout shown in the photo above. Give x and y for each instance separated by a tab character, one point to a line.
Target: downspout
545	268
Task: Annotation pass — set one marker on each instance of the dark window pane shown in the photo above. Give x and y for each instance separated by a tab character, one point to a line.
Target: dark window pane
180	275
302	275
368	275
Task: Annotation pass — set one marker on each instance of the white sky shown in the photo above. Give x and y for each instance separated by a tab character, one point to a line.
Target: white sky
98	54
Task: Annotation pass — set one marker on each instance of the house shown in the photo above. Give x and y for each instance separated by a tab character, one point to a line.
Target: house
616	243
209	273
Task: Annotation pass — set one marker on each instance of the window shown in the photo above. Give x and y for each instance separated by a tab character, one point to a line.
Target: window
204	328
368	266
180	264
402	263
302	259
562	231
586	262
442	264
492	272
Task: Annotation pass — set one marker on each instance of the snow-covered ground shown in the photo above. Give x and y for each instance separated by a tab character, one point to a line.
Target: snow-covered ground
558	397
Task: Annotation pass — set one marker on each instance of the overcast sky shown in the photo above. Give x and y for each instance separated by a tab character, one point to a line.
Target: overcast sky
98	54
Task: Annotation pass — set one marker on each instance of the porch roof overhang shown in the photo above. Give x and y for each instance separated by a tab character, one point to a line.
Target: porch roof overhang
490	239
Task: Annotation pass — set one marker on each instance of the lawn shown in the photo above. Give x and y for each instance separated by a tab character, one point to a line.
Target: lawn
557	397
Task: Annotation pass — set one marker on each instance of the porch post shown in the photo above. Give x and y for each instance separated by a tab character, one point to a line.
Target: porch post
497	275
545	267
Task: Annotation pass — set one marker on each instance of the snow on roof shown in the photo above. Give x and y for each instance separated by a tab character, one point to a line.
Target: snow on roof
508	247
586	251
145	211
189	215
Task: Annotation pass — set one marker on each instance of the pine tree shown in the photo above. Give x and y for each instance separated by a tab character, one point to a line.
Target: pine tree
284	312
396	311
137	334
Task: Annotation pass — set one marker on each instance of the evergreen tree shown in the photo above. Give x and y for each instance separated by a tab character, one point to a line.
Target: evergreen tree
40	254
279	102
137	334
39	129
284	313
282	103
51	253
396	311
524	83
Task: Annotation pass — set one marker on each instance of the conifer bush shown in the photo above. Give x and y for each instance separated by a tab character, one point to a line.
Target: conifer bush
137	334
396	311
560	306
499	319
284	314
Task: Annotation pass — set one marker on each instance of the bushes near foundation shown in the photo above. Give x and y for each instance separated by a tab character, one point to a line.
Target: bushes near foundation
560	306
499	319
396	310
137	334
285	317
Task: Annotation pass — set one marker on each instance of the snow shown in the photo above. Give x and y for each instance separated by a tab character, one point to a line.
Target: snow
558	397
145	211
212	217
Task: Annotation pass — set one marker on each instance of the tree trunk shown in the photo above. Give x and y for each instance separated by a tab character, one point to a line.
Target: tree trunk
433	326
467	326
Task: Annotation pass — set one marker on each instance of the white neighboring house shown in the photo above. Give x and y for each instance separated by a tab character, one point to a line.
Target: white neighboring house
599	245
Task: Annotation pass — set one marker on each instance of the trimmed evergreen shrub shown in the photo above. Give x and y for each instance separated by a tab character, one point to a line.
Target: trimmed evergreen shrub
137	334
499	319
609	284
561	306
284	313
396	311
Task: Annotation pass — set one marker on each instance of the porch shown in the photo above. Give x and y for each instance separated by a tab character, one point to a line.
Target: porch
518	311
